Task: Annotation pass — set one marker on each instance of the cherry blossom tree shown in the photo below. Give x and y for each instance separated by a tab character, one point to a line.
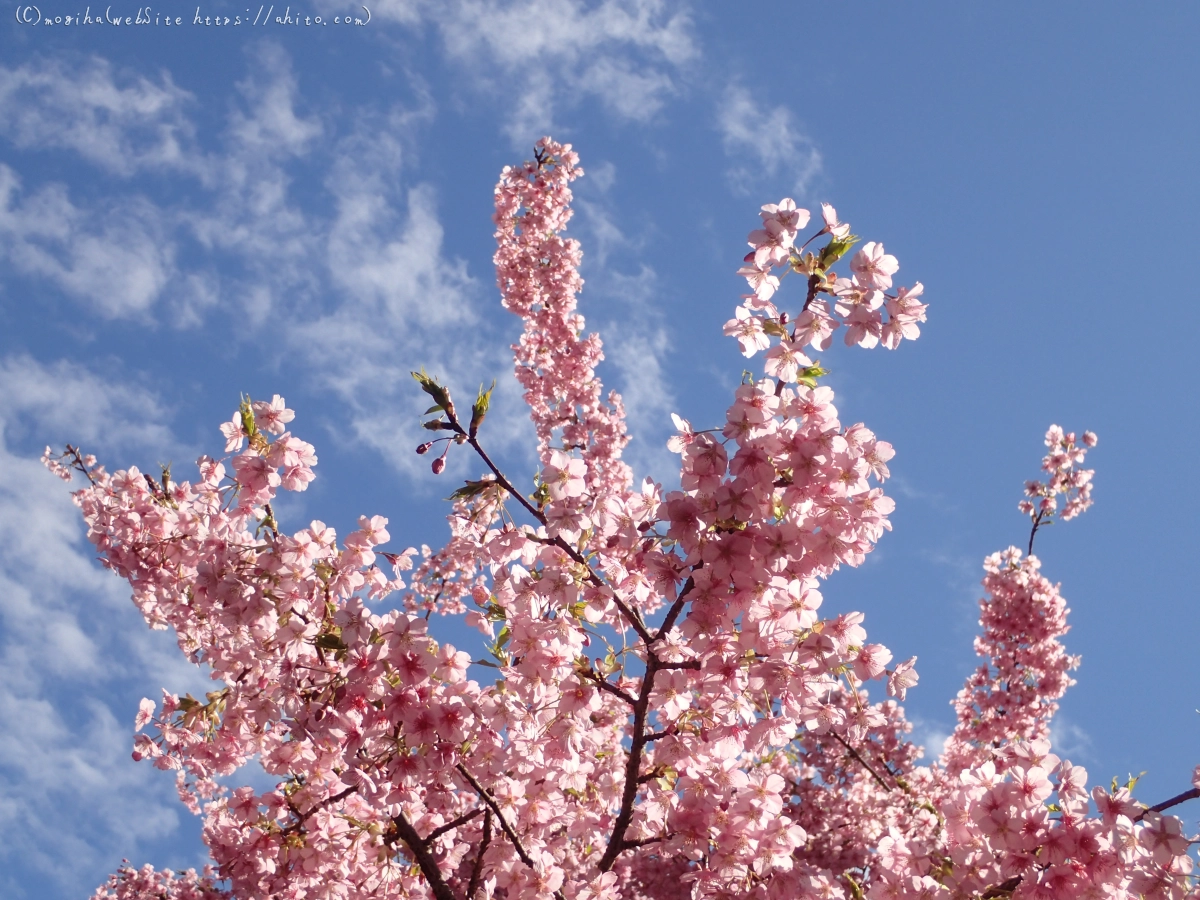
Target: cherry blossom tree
673	713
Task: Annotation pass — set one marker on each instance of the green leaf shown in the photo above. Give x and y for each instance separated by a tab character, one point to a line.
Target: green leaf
837	248
770	326
471	489
330	641
430	386
809	374
480	408
247	414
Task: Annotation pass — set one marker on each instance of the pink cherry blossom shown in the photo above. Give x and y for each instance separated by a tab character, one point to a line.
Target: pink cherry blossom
670	708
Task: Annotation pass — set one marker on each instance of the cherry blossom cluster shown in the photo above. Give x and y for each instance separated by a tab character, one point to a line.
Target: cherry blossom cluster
669	709
1074	484
128	883
858	300
1014	693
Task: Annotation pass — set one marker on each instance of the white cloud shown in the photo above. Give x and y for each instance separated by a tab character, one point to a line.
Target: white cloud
368	292
1069	741
74	652
767	146
637	344
625	308
272	126
627	54
115	119
117	257
931	737
400	304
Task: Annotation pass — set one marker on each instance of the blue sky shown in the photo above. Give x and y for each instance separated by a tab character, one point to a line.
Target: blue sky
186	214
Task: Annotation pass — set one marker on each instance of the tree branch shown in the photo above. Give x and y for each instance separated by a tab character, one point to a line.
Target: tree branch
477	871
675	610
450	826
328	801
605	685
1037	523
616	840
866	765
1174	801
487	798
420	852
633	619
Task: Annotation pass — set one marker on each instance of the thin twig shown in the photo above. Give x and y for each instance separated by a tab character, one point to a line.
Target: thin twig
866	765
1037	523
606	685
1174	801
450	826
477	871
487	798
633	619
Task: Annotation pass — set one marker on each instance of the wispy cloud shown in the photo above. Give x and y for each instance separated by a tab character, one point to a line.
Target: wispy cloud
626	54
74	652
116	258
115	119
767	147
359	290
1069	740
622	302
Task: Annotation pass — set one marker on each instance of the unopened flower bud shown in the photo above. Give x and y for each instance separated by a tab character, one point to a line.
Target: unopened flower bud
424	448
439	465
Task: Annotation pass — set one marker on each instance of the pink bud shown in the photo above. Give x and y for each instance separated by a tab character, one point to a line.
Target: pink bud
424	448
439	465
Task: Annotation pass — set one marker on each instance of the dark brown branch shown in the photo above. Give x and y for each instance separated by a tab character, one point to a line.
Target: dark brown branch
340	795
633	766
1037	523
78	465
428	865
500	478
487	798
633	845
606	685
1003	889
633	619
675	610
1174	801
450	826
477	871
301	818
814	285
866	765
